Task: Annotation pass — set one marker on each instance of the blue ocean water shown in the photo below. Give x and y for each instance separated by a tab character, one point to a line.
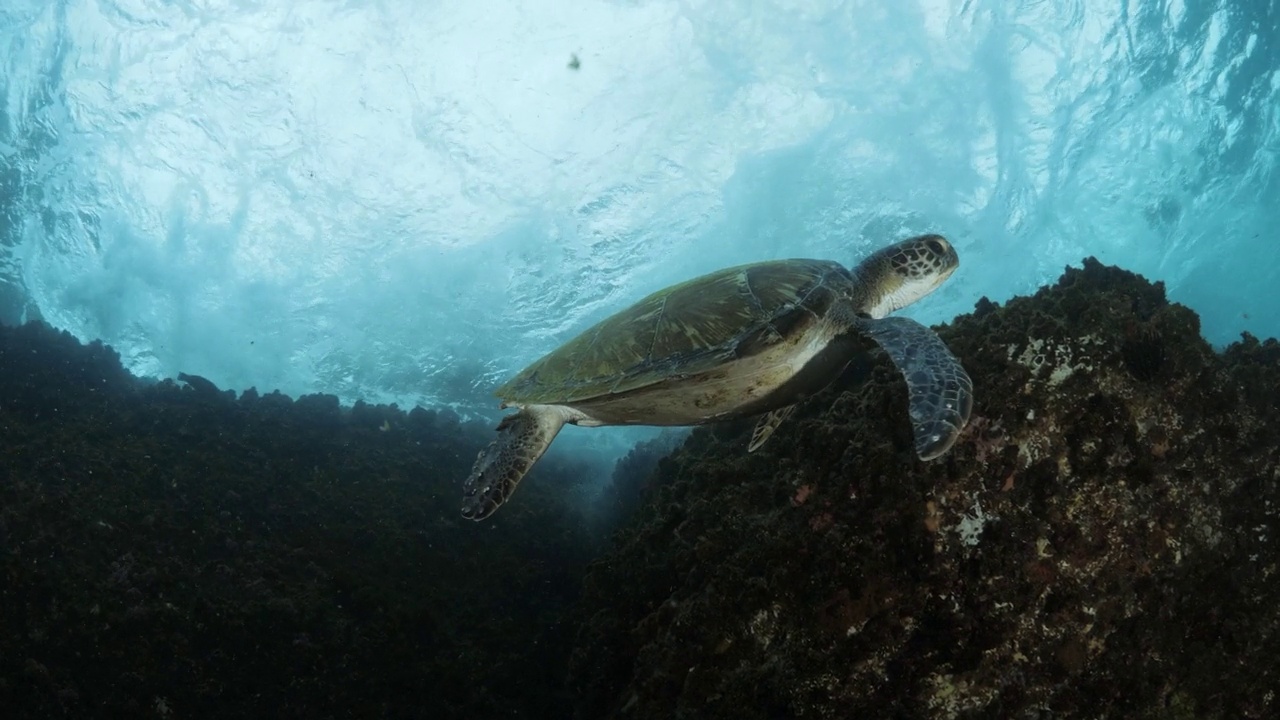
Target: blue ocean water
403	201
406	201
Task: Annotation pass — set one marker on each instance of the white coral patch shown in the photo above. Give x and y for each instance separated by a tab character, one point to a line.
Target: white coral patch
1059	360
764	624
971	524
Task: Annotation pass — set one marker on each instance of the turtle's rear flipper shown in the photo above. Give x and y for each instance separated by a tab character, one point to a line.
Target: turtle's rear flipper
766	426
522	438
940	390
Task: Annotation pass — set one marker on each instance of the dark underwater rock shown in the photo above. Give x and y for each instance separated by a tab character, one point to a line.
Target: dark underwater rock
167	551
1103	541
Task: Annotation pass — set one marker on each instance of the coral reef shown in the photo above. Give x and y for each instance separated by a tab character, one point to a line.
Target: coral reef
173	550
1101	543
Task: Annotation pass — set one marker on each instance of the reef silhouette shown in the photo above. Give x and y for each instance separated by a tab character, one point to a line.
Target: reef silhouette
1103	541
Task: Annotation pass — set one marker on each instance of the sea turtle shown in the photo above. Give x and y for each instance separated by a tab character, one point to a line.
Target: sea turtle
748	340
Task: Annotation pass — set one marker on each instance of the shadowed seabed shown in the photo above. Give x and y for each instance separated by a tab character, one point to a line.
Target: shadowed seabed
1102	541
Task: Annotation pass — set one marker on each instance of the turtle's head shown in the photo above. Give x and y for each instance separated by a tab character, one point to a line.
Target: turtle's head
904	272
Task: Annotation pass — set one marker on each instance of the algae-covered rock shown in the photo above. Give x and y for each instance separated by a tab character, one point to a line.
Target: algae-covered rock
176	551
1102	542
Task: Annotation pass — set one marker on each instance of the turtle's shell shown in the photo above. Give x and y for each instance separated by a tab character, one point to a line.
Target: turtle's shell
684	330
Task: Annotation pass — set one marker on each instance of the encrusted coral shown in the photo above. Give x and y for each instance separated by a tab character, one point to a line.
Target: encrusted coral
1100	543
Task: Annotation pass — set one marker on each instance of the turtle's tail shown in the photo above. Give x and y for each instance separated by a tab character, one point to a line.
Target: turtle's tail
522	438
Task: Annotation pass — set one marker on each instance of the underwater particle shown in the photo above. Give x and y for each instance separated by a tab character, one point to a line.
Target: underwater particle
574	63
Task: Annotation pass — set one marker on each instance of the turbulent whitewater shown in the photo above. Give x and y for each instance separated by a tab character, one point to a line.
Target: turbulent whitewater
402	202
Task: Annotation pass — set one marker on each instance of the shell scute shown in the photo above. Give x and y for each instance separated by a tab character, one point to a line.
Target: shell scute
682	330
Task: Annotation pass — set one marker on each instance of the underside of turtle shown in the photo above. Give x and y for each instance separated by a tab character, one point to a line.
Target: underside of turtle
683	331
748	340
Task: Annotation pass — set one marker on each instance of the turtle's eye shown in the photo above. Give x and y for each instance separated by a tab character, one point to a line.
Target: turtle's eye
936	245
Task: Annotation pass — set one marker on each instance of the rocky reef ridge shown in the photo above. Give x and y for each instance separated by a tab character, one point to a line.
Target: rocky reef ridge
1104	540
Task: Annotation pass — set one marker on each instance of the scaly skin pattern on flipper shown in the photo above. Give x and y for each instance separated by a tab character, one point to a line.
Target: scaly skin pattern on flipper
940	393
522	439
767	424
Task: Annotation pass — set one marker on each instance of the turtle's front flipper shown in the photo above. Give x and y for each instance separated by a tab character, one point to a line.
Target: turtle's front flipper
522	438
940	390
766	426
